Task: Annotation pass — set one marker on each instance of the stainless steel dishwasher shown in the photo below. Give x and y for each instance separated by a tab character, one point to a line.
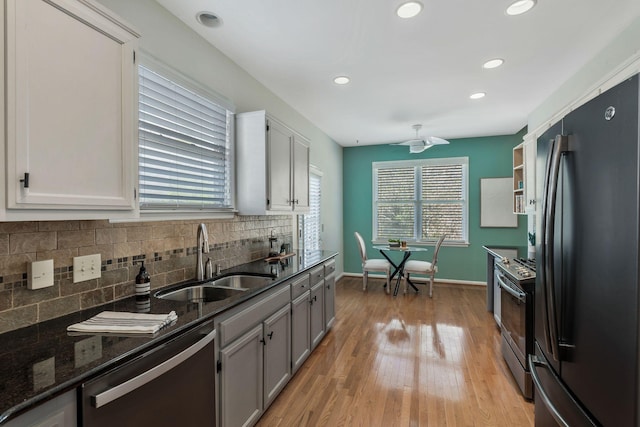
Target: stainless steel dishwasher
170	385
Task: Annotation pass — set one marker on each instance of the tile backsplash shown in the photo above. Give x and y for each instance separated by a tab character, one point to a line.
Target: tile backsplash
167	247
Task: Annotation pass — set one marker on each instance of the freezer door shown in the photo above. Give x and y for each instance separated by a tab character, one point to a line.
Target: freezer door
598	241
554	404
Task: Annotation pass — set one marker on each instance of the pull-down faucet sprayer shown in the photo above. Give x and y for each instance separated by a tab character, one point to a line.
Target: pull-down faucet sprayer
203	247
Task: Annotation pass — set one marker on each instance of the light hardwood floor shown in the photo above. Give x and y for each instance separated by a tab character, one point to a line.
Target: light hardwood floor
404	361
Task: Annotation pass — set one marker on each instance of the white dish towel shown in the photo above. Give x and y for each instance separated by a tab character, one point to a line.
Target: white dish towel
123	322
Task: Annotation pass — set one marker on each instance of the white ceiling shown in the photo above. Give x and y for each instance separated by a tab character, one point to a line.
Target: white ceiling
407	71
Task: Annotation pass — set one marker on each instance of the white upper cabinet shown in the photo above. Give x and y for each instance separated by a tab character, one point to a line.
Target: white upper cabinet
530	173
272	166
71	107
524	176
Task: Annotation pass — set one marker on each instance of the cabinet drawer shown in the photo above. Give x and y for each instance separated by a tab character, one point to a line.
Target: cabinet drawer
329	267
252	314
317	274
299	286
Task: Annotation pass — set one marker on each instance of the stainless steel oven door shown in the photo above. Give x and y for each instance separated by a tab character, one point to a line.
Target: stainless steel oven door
513	307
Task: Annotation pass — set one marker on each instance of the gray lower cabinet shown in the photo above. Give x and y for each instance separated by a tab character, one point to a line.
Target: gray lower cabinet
57	412
329	300
329	293
241	380
255	356
316	301
277	353
300	330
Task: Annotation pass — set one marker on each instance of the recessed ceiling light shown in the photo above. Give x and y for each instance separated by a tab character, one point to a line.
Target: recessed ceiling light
493	63
209	19
521	6
477	95
341	80
409	9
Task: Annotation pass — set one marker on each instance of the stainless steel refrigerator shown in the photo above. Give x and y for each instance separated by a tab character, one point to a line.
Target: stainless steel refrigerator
585	366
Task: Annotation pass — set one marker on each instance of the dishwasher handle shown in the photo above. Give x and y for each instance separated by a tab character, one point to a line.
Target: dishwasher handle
134	383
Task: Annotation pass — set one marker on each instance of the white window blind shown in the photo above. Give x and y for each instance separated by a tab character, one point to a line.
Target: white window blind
312	224
184	147
420	200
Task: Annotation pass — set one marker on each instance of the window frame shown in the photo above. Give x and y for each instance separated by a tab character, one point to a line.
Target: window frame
417	197
149	62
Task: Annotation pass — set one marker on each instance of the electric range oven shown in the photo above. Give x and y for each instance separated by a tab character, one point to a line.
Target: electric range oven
516	278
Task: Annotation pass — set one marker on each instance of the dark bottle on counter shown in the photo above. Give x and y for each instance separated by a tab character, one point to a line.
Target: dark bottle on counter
143	283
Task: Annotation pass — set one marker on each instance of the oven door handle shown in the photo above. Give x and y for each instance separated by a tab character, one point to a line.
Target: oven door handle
521	296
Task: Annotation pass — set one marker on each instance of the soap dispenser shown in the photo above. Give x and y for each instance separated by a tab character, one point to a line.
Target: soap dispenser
143	282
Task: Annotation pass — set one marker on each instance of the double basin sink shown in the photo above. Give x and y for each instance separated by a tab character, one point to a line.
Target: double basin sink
217	289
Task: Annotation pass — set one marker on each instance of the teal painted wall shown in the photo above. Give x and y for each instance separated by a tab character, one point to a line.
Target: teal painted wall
489	157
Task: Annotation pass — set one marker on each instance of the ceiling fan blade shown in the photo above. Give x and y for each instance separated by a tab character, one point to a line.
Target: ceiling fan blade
411	142
434	140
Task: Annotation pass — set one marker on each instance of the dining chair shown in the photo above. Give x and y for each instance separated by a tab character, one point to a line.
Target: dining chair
376	265
424	267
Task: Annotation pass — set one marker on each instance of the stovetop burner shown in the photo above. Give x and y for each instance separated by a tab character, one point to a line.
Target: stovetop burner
529	263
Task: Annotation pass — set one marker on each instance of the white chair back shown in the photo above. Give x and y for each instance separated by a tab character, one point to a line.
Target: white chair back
437	249
361	246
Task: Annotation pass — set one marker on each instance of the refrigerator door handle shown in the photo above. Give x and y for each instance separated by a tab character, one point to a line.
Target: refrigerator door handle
534	363
550	320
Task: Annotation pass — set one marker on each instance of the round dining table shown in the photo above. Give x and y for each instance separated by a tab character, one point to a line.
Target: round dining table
399	267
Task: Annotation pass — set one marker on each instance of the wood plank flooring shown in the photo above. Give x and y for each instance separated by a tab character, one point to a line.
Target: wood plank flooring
404	361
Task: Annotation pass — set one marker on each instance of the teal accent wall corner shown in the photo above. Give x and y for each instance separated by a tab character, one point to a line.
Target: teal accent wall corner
489	157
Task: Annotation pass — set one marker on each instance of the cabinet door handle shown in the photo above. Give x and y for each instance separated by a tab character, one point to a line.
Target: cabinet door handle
263	341
270	335
25	180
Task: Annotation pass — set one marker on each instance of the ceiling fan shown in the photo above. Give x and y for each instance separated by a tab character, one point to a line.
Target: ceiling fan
419	144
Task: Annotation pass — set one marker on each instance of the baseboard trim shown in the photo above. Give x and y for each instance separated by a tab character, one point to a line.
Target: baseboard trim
422	279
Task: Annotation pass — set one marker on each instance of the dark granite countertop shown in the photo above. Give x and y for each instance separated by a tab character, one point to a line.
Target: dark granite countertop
47	347
502	251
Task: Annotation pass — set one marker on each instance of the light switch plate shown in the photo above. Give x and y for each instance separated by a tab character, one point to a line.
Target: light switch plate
40	274
86	268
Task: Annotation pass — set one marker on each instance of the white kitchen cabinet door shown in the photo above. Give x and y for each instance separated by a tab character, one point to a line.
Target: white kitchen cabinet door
269	151
300	174
530	174
279	170
71	106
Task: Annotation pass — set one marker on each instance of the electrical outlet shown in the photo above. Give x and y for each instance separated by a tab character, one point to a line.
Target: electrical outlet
86	268
87	350
40	274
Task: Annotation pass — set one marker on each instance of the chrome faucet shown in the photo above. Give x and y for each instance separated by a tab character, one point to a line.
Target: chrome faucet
203	247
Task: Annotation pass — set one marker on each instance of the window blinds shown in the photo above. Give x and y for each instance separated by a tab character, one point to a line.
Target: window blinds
420	200
184	147
312	224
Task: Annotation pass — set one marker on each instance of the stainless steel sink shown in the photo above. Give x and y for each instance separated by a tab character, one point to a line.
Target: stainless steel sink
215	290
242	281
204	293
